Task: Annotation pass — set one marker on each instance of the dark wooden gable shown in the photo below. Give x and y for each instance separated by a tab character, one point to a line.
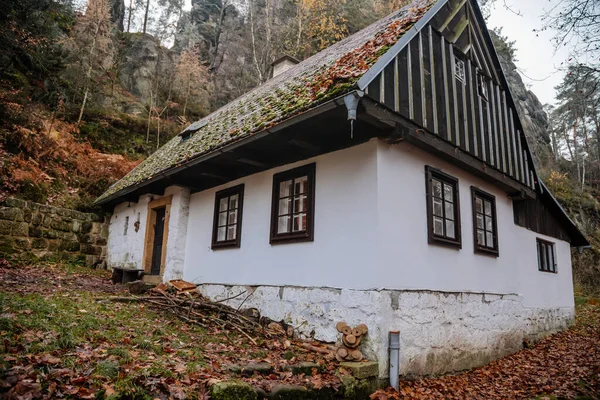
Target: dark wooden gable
446	78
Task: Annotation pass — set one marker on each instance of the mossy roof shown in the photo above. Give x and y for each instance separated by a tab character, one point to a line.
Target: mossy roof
328	74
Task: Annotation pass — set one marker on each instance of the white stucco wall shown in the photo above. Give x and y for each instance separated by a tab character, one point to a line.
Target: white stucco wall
178	227
408	262
343	250
126	250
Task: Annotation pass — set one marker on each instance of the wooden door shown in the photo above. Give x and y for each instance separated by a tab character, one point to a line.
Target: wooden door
157	245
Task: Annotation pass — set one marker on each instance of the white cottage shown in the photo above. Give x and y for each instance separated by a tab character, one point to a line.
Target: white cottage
386	180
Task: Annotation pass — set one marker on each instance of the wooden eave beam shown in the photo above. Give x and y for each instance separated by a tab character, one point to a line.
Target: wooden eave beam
406	130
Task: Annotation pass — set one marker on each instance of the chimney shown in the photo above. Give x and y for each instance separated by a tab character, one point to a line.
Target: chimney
283	64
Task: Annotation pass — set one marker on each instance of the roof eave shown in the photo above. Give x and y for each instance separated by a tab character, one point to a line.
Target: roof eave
165	174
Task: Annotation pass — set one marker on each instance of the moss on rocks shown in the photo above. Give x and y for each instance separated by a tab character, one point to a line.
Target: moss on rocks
233	390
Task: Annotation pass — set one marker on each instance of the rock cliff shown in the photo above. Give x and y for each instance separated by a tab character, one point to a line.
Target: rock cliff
143	63
531	111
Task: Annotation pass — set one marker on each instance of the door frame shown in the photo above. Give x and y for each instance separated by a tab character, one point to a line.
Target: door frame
149	240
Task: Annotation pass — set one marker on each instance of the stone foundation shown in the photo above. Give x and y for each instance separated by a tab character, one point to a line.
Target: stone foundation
439	332
37	230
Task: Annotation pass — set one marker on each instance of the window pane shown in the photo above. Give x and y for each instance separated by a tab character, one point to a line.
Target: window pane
438	226
479	221
489	226
479	205
450	231
480	238
301	185
436	188
233	217
448	192
299	222
489	237
221	234
223	204
223	218
449	210
285	189
549	257
233	202
300	204
285	206
488	208
231	232
539	253
283	224
437	207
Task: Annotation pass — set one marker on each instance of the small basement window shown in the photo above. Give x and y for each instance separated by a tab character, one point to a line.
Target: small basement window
227	225
459	70
293	204
485	225
443	208
546	256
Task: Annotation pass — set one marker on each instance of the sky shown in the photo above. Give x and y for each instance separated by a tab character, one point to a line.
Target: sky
537	60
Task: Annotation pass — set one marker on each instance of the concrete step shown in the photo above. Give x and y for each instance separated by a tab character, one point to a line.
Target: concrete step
152	279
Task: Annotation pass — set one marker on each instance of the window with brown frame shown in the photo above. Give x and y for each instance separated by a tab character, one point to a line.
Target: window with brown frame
227	225
292	211
443	208
485	224
546	256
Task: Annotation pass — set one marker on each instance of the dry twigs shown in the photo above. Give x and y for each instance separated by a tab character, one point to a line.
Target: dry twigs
194	308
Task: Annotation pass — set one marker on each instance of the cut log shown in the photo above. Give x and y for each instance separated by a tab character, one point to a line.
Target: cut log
351	339
355	354
346	330
363	328
340	326
316	349
342	352
357	331
351	345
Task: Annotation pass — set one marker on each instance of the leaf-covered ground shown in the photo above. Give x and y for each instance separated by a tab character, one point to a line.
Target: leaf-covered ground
61	337
562	366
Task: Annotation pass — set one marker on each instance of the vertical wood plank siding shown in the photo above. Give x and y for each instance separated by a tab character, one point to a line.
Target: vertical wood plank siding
421	85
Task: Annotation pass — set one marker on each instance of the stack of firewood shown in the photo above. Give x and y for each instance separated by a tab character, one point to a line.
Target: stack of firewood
351	338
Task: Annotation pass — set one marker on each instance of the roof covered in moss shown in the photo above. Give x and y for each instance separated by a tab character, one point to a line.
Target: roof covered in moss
328	74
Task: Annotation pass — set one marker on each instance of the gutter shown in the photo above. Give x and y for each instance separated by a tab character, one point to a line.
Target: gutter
166	174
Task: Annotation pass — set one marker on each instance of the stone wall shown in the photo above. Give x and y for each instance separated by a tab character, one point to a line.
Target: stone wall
439	331
37	230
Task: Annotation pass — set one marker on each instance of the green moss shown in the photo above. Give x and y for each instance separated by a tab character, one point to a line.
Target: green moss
233	390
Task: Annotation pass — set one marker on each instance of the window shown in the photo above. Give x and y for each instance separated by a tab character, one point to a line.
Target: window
459	70
126	226
227	225
443	208
482	87
292	217
546	256
485	226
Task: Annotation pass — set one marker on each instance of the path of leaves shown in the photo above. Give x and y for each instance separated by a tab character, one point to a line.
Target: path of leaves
62	338
564	366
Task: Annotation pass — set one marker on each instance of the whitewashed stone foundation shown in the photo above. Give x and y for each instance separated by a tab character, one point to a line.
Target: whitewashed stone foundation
439	331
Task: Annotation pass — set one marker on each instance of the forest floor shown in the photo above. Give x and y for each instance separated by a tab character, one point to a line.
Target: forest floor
62	337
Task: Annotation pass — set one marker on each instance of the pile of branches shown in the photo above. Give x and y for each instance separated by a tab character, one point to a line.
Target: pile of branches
192	307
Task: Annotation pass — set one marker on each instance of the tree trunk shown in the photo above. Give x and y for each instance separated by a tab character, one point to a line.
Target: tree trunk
129	17
88	75
146	16
256	63
149	119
